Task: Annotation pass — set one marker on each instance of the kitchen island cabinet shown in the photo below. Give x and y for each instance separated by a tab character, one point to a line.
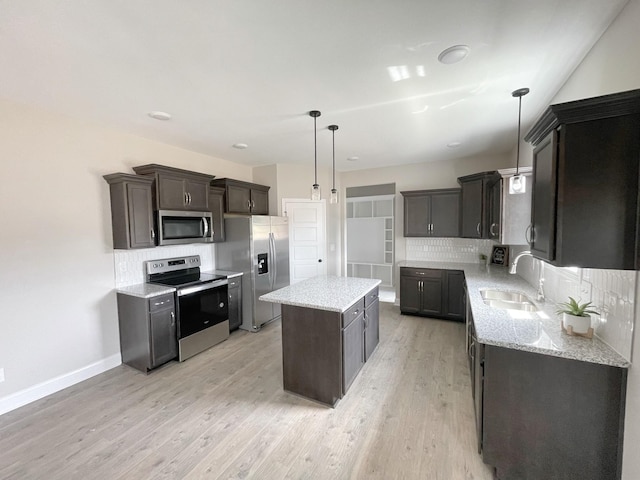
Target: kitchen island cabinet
329	329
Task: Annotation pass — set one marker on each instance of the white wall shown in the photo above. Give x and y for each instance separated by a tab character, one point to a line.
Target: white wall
613	65
59	323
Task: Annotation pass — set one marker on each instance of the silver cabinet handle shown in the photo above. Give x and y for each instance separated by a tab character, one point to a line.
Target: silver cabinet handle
253	204
205	224
173	319
186	199
153	234
528	234
356	312
420	286
189	195
491	229
478	229
420	273
249	204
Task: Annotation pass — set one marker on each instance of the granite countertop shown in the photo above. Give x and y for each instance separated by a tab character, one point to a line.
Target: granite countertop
145	290
334	294
538	332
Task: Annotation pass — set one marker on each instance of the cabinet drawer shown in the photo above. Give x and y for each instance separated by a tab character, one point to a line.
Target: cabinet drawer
161	302
421	272
353	312
235	282
371	297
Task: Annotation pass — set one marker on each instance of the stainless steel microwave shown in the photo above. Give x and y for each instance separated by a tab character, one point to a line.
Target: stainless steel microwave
177	227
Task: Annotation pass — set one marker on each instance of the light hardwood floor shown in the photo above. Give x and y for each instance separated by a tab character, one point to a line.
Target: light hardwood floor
223	414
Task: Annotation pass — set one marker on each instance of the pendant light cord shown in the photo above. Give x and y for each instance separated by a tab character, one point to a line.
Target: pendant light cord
334	159
518	143
315	151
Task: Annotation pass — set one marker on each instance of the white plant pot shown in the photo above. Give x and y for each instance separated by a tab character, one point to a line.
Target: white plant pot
578	324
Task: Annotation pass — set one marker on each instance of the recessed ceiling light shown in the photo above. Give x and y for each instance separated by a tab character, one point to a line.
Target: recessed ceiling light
454	54
454	144
240	146
160	115
353	159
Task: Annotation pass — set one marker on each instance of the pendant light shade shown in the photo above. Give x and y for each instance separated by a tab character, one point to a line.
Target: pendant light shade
518	183
315	188
334	192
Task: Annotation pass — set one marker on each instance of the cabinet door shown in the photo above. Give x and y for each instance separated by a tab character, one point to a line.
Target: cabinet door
431	296
417	216
164	343
472	204
544	199
495	210
454	298
409	294
372	328
238	199
235	306
198	192
171	192
352	351
216	207
141	233
445	215
259	202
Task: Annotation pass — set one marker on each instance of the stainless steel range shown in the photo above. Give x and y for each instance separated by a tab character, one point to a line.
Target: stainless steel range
202	312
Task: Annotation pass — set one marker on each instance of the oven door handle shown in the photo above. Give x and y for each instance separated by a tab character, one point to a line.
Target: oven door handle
199	288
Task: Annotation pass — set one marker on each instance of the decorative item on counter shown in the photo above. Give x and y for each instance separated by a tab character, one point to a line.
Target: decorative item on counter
576	318
500	255
483	259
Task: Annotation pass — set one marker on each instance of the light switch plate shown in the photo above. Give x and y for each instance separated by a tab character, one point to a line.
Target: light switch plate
585	292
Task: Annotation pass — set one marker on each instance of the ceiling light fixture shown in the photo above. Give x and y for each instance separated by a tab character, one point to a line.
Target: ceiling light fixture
334	192
353	159
315	189
518	183
160	115
454	54
454	144
240	146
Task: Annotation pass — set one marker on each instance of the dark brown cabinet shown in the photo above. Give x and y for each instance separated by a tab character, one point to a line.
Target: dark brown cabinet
495	209
432	292
235	302
585	183
432	213
476	212
216	207
540	413
131	211
244	197
147	330
177	189
323	351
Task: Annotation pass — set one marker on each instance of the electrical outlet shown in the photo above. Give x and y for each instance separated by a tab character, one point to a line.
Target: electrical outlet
1	375
585	292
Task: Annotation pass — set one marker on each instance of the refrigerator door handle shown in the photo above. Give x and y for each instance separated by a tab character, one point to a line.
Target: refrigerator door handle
272	260
275	260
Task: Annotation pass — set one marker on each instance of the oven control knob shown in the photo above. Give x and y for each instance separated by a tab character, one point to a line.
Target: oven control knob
155	265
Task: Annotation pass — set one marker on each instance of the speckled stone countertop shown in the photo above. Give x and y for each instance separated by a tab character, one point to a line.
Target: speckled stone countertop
335	294
538	332
145	290
149	290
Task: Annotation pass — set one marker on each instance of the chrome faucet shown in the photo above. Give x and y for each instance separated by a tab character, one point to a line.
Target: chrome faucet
514	264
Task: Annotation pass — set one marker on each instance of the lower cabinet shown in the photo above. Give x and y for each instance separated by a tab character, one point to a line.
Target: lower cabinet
147	330
432	292
235	302
323	351
549	417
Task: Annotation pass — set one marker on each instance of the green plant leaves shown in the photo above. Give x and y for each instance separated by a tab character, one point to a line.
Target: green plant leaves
573	307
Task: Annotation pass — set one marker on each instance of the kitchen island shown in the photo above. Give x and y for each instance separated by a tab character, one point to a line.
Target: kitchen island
329	330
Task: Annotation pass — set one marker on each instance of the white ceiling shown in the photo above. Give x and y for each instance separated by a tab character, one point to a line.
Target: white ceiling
248	71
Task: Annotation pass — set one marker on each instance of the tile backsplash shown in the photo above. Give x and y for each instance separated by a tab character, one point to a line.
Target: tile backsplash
612	293
461	250
129	268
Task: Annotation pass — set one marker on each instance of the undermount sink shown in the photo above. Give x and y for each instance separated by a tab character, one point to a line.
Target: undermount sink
507	300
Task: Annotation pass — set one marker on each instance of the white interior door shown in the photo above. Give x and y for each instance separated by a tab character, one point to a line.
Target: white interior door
307	238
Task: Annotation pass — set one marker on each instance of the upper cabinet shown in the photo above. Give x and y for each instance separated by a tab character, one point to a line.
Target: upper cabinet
432	213
585	183
131	211
216	207
244	197
480	205
177	189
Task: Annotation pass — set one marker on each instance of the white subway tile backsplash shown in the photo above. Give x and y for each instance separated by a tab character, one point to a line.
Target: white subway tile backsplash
455	250
129	264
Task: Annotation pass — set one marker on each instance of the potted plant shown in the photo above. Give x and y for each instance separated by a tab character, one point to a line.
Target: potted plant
576	315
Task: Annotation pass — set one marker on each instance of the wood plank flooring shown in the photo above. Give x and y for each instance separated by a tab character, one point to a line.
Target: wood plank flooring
223	414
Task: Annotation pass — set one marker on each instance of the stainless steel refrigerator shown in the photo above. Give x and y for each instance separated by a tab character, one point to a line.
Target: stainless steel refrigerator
257	246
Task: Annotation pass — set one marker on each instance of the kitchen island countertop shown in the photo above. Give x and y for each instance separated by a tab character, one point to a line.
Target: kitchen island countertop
537	332
330	293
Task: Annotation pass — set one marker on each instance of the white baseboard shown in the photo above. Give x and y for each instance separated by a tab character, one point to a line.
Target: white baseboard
41	390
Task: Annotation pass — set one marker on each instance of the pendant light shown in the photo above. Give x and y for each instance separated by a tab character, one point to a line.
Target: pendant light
334	192
518	183
315	189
